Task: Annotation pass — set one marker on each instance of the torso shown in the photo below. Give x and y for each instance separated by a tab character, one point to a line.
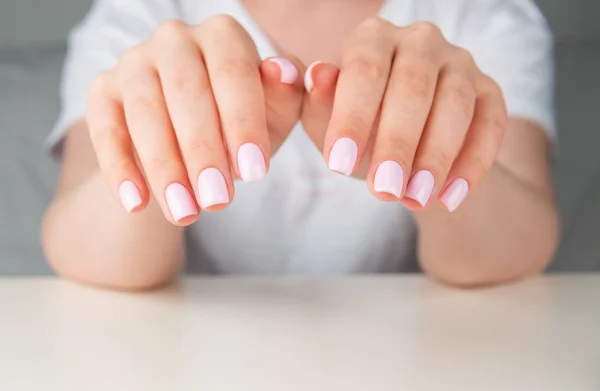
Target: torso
303	218
306	30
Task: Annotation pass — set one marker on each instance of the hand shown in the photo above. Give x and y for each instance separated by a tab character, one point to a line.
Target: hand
408	111
184	113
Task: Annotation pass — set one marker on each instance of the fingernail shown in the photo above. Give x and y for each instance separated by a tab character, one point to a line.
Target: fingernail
212	188
251	163
179	201
308	78
289	73
389	178
420	187
455	194
130	196
343	156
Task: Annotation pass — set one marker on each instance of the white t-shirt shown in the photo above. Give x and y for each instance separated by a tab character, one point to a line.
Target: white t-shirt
303	218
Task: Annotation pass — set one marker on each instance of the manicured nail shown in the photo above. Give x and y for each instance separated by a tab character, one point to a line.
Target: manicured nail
342	157
289	73
420	187
389	178
212	188
180	201
308	78
251	163
455	194
130	196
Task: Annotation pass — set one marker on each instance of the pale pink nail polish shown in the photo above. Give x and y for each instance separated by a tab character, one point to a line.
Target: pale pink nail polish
179	201
308	78
212	188
455	194
342	157
130	196
289	73
389	178
251	163
420	187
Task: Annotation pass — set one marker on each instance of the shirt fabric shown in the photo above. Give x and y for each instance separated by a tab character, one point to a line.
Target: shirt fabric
303	218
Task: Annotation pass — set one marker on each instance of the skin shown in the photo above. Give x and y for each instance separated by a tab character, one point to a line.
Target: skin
453	124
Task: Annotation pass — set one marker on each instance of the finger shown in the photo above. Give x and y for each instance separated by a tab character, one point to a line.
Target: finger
233	69
194	115
112	144
366	64
320	81
443	137
154	139
283	90
405	108
480	147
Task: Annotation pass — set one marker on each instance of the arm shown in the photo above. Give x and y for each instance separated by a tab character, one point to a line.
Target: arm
166	145
89	237
508	229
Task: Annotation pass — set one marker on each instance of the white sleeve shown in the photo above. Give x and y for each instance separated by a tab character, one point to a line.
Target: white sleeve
95	45
512	43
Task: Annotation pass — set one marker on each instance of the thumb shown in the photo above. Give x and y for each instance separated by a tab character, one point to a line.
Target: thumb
283	87
320	81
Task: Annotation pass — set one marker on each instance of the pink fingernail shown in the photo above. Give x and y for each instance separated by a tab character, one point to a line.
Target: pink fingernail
212	188
308	78
389	178
130	196
420	187
289	73
455	194
342	157
251	163
179	201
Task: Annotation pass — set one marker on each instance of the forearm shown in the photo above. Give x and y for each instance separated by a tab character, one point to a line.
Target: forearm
87	236
506	230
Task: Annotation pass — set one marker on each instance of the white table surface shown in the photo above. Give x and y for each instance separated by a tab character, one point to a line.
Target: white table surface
288	334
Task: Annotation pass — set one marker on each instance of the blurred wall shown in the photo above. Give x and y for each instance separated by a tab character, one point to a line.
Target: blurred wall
34	22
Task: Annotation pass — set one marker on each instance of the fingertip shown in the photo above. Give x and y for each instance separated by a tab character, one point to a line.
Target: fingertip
187	221
320	75
280	70
180	203
130	196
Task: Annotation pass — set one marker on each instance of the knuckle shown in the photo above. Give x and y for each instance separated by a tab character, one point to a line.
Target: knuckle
357	122
100	84
198	148
247	123
160	163
101	135
496	126
424	31
117	167
238	68
479	166
134	57
464	56
138	102
417	82
373	27
439	160
366	66
462	96
401	147
170	30
491	86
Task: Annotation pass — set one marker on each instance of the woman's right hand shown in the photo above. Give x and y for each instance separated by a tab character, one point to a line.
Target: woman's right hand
185	112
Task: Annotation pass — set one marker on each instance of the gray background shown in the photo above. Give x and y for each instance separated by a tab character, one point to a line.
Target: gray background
32	36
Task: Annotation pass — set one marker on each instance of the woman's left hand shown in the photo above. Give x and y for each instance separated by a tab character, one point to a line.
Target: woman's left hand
407	111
